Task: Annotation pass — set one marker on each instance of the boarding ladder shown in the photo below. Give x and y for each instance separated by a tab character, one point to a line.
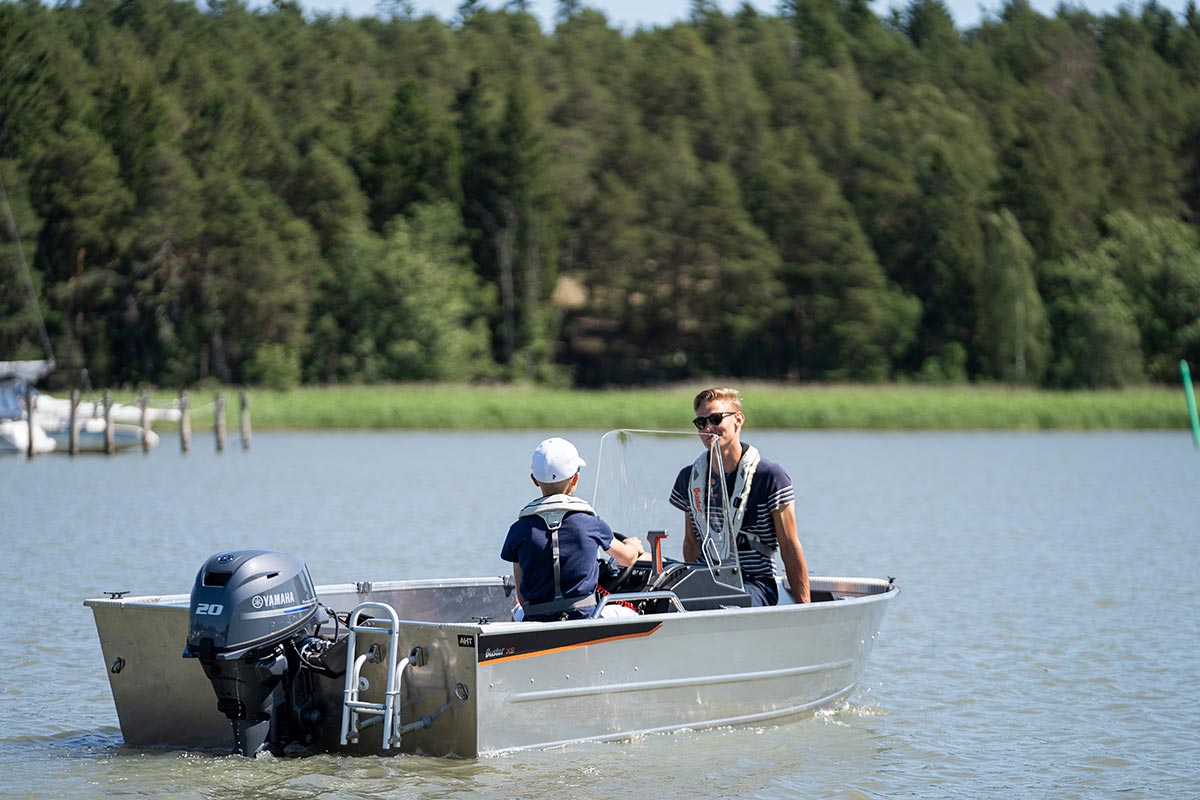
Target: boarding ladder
387	712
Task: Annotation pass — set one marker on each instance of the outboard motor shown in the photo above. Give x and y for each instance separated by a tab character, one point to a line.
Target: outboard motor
254	626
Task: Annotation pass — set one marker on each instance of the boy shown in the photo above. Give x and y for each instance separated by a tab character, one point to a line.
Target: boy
552	545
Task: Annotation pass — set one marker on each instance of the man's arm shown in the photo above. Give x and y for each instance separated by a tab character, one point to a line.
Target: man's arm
691	547
791	552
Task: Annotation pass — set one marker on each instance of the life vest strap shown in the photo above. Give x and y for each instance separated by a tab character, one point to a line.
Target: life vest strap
552	509
702	494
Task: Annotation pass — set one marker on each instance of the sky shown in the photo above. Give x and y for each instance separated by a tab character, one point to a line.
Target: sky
632	14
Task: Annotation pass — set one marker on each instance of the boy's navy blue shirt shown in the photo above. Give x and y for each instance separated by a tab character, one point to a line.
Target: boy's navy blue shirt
528	544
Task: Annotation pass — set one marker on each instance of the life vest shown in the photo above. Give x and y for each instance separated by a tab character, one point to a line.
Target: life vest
701	493
552	509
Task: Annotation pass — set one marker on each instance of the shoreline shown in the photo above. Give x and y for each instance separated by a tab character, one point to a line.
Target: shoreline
767	406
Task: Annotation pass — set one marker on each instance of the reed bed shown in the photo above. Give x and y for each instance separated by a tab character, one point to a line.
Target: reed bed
768	406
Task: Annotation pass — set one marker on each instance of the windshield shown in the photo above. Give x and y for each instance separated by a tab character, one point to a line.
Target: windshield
635	473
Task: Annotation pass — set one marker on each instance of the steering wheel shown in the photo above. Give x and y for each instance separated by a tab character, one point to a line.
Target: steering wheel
626	572
623	578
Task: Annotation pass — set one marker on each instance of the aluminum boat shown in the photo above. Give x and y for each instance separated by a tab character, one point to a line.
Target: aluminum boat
439	667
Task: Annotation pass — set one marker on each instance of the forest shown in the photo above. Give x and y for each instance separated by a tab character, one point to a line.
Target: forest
262	196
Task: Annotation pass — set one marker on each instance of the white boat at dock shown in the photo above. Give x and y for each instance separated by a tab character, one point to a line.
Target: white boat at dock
14	438
438	667
126	419
90	435
52	417
16	378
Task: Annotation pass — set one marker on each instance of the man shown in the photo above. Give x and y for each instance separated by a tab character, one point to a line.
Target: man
553	544
760	493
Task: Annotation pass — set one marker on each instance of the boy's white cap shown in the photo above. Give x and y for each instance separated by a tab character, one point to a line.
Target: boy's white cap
555	460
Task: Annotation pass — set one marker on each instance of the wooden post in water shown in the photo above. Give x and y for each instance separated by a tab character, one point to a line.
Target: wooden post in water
30	407
73	422
219	422
143	401
185	422
244	420
110	445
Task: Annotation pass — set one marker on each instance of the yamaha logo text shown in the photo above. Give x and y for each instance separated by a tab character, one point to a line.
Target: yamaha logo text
272	600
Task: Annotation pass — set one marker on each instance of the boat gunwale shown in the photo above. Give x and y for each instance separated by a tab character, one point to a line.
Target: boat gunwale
887	585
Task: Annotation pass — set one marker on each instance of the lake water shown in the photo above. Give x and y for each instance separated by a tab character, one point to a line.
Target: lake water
1046	642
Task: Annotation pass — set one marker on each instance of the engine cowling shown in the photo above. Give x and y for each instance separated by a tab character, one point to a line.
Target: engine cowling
253	625
246	599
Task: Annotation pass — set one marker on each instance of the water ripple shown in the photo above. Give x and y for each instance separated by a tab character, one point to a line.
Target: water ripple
1042	645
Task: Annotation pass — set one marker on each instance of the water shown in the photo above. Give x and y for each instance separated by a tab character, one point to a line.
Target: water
1045	643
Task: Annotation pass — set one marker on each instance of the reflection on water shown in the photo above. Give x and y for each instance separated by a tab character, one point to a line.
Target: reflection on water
1047	622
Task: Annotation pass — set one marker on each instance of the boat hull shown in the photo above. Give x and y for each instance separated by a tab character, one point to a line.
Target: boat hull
664	672
90	437
492	686
14	438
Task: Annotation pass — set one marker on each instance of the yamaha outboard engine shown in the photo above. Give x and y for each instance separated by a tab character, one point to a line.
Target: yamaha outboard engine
253	625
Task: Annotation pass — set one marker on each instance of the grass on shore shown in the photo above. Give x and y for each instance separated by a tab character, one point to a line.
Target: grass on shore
767	406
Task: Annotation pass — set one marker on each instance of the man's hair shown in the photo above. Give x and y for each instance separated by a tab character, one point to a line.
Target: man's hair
718	393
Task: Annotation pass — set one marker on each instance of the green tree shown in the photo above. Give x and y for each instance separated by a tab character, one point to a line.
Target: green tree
164	225
674	83
844	320
921	189
37	93
1096	341
411	159
327	196
439	306
407	306
257	261
1144	119
819	27
1047	128
509	212
1012	336
76	190
1158	261
21	335
566	10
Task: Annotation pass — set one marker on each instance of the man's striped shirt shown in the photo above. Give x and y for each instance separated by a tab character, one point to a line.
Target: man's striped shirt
770	491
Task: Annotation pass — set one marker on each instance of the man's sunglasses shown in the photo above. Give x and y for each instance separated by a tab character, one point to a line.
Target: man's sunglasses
713	419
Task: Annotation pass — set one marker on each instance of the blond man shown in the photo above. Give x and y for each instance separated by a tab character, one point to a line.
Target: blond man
763	509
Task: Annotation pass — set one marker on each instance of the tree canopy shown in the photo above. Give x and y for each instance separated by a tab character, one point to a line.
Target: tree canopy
260	196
